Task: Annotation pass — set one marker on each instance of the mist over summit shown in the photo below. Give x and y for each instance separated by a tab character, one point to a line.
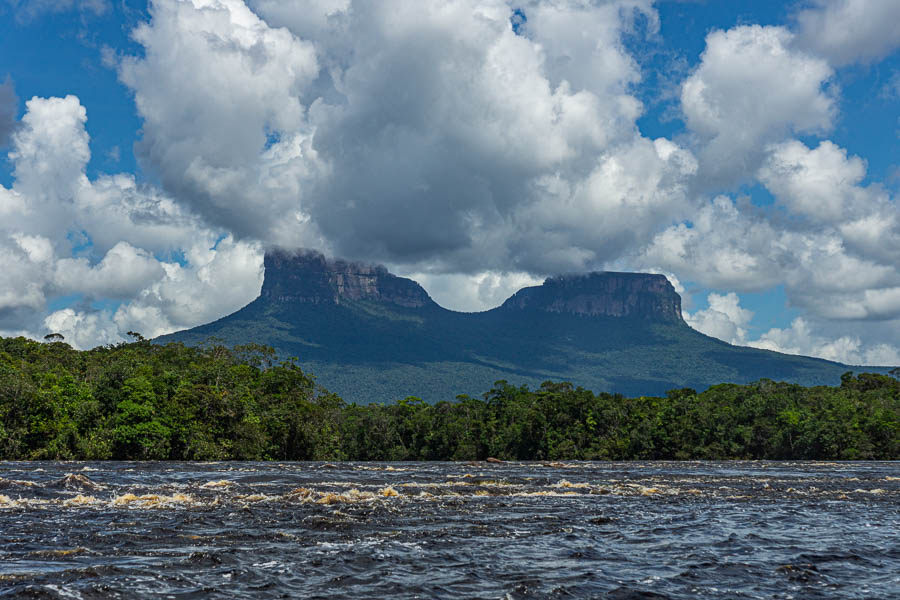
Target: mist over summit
370	335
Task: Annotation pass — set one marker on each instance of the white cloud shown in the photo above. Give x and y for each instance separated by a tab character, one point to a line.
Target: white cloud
83	329
847	31
50	152
473	293
823	186
723	318
751	89
122	273
800	339
420	133
11	202
123	229
37	248
721	248
819	184
19	286
727	248
214	283
115	208
14	333
213	83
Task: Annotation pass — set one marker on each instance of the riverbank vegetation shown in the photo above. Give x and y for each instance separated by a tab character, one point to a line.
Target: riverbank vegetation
145	401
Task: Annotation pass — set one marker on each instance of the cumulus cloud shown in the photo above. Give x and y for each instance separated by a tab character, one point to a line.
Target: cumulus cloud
823	185
82	329
122	273
847	31
628	196
727	248
51	195
50	152
723	318
428	134
215	282
861	237
800	338
14	333
168	298
19	289
107	239
820	184
750	89
222	98
722	247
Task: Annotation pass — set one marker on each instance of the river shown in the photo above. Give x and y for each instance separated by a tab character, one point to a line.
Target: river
636	530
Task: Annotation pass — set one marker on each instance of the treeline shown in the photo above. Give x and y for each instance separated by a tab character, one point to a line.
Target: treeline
147	401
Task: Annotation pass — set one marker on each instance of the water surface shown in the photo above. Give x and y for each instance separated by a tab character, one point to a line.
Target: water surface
450	530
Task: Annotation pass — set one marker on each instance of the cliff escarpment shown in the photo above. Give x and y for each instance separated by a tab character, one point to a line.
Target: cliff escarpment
607	294
308	277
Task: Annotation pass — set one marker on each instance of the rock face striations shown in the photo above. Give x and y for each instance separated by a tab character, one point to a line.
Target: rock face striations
308	277
635	295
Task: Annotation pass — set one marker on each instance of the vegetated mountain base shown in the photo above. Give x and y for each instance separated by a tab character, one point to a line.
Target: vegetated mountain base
147	401
373	337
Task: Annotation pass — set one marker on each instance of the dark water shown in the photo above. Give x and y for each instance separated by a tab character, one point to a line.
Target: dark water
450	530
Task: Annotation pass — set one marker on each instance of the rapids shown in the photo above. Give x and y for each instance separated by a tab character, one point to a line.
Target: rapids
450	530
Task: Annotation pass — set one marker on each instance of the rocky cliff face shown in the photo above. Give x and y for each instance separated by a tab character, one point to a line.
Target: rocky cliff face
637	295
308	277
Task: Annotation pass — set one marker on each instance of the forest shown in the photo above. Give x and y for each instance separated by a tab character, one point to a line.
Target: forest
147	401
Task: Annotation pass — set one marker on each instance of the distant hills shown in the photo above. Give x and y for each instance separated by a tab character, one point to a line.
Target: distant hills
371	336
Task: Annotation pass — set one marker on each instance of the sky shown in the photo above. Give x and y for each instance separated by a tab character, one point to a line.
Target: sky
151	151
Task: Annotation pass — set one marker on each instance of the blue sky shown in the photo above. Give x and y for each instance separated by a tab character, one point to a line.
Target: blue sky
56	54
746	150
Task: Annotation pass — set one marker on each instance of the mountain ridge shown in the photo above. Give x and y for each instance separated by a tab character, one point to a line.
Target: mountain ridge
370	335
598	293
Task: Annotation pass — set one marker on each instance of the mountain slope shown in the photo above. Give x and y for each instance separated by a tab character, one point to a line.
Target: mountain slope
371	336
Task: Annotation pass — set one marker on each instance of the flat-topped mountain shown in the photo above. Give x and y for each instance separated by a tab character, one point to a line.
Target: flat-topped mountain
605	294
307	276
372	336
